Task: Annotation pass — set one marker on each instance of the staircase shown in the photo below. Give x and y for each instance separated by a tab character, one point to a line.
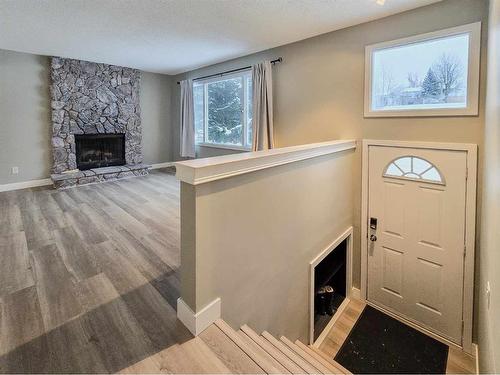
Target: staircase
220	349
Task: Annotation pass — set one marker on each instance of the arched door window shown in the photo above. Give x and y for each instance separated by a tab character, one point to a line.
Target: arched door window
414	168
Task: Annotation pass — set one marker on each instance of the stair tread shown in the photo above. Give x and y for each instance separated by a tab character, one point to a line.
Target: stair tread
228	352
327	363
306	356
286	362
273	363
192	356
238	340
327	358
302	363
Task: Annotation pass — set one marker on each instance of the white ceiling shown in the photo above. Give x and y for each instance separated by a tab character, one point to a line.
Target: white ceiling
173	36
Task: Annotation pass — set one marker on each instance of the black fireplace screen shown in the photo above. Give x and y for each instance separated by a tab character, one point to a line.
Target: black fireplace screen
99	150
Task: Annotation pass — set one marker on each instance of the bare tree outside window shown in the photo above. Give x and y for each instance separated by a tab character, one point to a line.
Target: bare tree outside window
449	72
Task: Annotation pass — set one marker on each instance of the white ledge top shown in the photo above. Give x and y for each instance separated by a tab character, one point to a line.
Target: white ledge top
199	171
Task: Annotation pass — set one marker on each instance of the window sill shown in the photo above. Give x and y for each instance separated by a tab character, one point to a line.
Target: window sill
226	147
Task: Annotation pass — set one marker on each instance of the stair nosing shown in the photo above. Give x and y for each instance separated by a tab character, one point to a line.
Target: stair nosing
313	361
282	359
306	366
233	335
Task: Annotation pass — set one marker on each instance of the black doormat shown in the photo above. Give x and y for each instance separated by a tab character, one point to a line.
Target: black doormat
379	344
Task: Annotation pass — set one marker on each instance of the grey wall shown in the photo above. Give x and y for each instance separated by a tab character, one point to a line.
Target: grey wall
318	89
489	317
156	117
249	240
25	122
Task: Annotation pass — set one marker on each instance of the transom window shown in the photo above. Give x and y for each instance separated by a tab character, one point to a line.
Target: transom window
413	168
433	74
223	111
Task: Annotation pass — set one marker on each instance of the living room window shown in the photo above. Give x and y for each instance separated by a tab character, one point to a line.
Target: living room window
223	111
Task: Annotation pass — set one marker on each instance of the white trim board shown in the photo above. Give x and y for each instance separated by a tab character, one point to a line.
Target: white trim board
470	221
25	184
347	235
199	171
198	322
162	165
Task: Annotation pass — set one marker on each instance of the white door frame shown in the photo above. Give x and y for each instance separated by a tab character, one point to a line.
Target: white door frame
470	224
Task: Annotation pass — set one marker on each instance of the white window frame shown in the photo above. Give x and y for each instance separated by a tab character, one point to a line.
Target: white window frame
471	109
245	74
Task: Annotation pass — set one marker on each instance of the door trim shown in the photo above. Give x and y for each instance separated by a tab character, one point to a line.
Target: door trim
470	222
347	235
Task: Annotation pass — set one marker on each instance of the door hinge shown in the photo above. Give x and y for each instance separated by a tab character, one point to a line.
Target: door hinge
463	328
465	251
466	173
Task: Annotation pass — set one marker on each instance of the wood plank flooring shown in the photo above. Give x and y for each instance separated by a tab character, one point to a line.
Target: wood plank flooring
458	361
88	277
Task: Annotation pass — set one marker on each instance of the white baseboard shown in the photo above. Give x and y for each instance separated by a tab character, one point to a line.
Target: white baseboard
198	322
355	293
25	184
162	165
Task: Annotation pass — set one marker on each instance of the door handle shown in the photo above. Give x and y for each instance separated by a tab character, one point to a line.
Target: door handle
373	238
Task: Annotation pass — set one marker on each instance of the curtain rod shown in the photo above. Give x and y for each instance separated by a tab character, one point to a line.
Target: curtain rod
278	60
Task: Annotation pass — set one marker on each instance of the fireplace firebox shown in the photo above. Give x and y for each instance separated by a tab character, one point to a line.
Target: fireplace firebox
99	150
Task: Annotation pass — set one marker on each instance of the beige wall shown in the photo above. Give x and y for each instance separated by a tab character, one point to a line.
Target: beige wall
489	318
25	121
249	240
318	89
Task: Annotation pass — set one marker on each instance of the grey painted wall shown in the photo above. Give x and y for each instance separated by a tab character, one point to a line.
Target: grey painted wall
25	123
318	89
488	317
156	117
249	239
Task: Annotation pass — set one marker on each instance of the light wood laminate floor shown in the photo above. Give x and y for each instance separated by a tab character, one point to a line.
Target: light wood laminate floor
88	275
458	361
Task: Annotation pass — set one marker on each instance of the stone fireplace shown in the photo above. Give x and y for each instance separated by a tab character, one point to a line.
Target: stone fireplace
98	105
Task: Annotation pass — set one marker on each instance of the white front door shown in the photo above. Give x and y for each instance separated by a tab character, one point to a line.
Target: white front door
416	247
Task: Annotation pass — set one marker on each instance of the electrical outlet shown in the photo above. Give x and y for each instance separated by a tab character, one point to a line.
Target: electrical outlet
488	294
15	170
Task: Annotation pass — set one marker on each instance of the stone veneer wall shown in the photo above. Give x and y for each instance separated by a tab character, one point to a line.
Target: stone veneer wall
91	98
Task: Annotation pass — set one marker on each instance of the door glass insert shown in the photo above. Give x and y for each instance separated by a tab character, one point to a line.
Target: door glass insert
413	168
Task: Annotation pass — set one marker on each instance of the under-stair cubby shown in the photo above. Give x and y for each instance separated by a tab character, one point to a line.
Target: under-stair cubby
330	285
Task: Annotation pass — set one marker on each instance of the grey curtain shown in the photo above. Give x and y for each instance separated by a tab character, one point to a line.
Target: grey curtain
262	95
187	119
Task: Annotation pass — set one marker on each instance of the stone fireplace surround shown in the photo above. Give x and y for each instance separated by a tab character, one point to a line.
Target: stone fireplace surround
92	98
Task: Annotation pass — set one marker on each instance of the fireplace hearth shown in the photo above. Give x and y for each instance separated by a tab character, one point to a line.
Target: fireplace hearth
99	150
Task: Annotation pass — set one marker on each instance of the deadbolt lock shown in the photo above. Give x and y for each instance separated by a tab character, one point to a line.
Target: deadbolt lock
373	238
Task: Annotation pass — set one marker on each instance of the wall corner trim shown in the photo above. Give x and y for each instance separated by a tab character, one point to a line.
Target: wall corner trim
355	293
199	171
476	357
25	184
198	322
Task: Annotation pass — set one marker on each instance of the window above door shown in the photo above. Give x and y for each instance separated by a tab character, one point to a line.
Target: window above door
223	111
433	74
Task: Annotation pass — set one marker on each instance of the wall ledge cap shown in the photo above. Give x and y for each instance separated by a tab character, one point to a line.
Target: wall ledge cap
199	171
